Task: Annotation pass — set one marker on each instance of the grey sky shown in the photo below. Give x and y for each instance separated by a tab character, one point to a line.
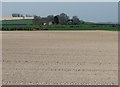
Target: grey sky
89	11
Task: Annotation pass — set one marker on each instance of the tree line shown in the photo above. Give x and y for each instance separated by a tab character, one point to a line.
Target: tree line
21	15
61	19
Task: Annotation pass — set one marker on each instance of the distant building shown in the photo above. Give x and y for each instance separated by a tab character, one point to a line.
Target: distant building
15	18
45	21
50	23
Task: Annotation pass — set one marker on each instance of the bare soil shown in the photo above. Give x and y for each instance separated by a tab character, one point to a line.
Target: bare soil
60	57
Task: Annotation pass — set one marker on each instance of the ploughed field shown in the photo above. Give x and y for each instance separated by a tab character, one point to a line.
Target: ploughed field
60	57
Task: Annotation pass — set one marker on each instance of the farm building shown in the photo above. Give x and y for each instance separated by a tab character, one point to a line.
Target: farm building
15	18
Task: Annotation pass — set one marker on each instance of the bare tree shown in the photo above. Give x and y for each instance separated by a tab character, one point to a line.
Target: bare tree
63	18
75	20
50	18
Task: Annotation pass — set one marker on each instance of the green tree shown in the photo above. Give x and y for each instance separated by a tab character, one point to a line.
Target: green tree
56	20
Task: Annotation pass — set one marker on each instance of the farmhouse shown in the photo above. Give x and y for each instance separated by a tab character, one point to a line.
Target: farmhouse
45	21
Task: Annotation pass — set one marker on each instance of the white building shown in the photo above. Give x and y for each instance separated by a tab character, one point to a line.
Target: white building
15	18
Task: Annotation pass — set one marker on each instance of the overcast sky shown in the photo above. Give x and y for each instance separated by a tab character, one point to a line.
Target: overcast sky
89	11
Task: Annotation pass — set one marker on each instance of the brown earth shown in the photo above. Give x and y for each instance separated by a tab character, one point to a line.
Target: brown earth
60	57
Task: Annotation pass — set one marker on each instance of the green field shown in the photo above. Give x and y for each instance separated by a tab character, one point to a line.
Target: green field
17	24
13	22
84	27
27	24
